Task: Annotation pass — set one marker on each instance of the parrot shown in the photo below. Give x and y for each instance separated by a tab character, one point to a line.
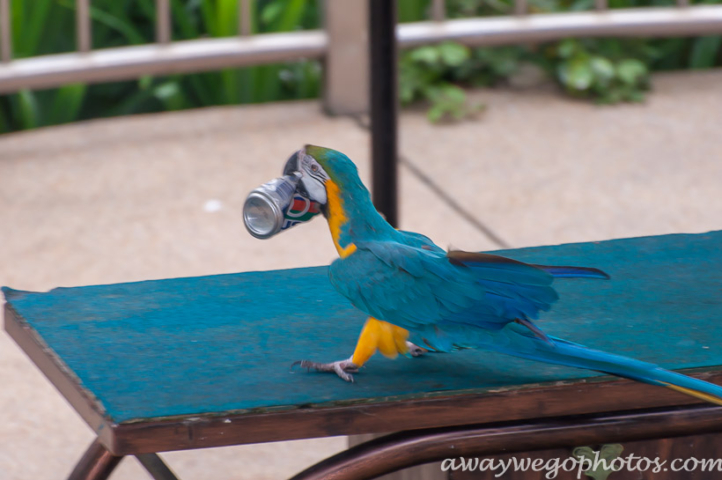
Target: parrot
419	297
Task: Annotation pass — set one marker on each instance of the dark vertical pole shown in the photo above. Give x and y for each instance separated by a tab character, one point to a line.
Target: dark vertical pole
384	107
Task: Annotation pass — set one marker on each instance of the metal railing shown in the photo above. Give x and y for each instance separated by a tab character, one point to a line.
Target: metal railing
163	57
523	28
344	36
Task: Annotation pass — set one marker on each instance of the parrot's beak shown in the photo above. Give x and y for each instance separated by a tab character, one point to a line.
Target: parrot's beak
293	168
292	164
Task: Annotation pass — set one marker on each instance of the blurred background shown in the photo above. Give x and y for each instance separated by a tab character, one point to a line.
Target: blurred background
604	70
131	132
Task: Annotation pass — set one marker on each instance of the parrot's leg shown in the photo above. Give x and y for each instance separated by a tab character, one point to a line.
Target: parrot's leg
389	339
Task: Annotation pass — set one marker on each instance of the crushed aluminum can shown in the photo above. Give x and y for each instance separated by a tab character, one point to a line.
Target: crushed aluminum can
276	206
300	210
265	209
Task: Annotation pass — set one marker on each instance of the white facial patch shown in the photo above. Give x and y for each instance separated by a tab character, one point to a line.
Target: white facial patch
314	177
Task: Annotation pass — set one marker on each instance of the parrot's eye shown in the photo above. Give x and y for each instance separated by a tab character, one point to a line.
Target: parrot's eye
314	168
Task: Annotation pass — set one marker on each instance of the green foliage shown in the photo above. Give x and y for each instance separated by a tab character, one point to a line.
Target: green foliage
604	458
590	71
432	73
48	26
603	70
413	10
705	52
424	74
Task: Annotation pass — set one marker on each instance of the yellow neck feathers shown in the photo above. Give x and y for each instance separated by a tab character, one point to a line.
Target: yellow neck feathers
336	218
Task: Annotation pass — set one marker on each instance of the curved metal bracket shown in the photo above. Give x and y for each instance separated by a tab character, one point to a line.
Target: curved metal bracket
406	449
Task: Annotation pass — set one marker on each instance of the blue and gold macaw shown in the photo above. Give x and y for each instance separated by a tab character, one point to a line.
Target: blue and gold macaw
413	290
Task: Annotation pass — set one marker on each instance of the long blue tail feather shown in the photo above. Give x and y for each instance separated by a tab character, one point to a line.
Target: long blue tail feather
573	272
517	340
570	354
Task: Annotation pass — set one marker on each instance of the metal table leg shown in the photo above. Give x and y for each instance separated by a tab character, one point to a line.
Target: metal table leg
155	466
96	464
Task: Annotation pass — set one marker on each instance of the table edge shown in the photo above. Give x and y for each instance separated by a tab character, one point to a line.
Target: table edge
59	374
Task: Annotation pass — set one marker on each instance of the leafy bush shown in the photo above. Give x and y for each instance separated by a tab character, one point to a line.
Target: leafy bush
587	72
429	73
48	26
605	70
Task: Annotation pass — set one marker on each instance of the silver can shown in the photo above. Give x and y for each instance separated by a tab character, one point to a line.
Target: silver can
265	207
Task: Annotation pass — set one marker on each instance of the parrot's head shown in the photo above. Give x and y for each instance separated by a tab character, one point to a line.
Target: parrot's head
322	172
315	180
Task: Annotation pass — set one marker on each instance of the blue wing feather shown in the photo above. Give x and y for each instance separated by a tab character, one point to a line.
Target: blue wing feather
411	286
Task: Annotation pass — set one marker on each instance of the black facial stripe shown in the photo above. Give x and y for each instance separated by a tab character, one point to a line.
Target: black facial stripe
301	188
317	176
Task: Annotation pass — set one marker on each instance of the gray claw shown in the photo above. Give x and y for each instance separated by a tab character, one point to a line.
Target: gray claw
342	368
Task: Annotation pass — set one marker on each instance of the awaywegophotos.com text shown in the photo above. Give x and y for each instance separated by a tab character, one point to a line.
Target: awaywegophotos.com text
554	466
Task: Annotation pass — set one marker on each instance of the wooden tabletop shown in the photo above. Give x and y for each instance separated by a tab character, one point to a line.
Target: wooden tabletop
199	362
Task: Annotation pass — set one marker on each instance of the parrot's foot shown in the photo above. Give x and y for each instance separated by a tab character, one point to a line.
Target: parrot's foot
415	350
342	368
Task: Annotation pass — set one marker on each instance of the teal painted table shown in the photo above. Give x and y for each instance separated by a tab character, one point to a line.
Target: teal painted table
202	362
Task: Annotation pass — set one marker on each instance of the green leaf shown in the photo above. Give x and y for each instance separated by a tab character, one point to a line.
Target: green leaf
32	30
209	18
184	20
446	99
271	12
292	15
504	66
452	94
705	52
603	68
131	103
576	74
567	48
429	55
171	95
29	112
436	113
202	91
610	451
581	5
453	54
231	87
631	71
411	10
146	6
67	103
123	26
166	90
145	82
4	123
407	92
226	17
607	453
